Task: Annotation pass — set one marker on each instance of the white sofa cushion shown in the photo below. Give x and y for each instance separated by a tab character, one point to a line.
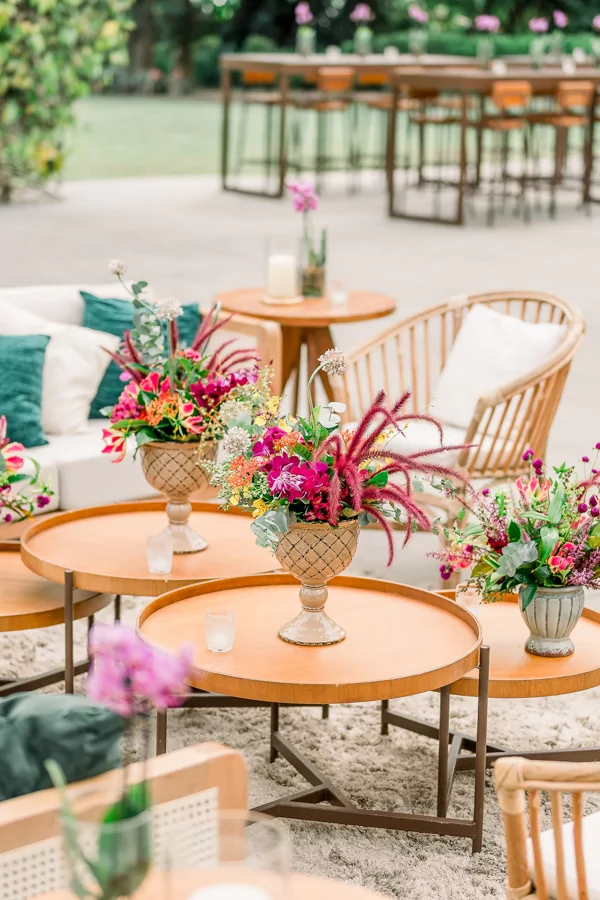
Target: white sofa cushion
59	302
86	476
420	435
490	351
75	362
591	842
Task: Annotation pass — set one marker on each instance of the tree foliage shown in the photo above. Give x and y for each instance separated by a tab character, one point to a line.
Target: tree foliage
51	53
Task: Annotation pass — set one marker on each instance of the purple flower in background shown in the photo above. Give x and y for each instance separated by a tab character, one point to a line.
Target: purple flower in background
538	25
42	500
361	13
418	15
561	19
596	22
487	23
303	196
303	14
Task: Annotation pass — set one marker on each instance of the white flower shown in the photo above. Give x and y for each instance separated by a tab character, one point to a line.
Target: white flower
167	308
328	416
333	362
116	267
232	409
236	442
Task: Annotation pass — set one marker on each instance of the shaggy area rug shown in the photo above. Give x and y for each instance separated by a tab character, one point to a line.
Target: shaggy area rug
397	772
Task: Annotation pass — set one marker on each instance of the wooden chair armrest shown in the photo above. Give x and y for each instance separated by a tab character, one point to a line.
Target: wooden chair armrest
268	338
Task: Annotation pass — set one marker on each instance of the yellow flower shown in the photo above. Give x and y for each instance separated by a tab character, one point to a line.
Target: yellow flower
110	29
234	499
260	508
261	420
273	404
285	426
386	435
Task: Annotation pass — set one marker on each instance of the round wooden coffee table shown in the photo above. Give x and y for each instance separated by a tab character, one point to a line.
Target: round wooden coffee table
307	324
516	674
27	602
400	641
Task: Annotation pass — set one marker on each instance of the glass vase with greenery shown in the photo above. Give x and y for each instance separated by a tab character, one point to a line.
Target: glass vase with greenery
313	250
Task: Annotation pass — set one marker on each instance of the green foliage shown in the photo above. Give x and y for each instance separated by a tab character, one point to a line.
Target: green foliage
51	53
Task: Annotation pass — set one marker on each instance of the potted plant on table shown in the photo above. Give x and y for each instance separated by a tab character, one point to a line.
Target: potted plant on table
313	251
417	37
310	485
110	857
173	402
487	26
539	43
305	33
542	540
20	493
363	35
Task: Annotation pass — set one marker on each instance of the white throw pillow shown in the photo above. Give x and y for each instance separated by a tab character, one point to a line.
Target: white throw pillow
60	302
76	360
490	350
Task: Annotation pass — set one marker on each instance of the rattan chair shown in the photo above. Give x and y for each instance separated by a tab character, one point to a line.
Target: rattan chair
411	354
555	858
189	787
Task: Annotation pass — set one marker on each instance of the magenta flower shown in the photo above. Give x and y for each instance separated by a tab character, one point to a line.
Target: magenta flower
129	677
487	23
418	15
266	445
304	15
596	25
538	25
286	477
561	19
361	13
304	196
127	406
42	500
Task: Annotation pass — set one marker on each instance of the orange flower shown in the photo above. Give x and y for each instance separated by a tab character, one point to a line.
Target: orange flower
241	471
288	441
164	407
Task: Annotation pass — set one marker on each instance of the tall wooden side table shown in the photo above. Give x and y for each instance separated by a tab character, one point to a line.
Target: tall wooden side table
400	641
307	324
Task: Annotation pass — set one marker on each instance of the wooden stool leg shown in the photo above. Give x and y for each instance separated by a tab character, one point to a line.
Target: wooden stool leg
161	733
69	613
481	747
274	728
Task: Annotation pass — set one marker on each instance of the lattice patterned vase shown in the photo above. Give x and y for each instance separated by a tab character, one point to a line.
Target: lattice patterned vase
315	553
173	469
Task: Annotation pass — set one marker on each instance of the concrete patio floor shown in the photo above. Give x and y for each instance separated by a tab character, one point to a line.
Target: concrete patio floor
190	240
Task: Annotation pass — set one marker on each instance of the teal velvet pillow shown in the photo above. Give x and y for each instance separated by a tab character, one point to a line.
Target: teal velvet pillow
22	358
115	316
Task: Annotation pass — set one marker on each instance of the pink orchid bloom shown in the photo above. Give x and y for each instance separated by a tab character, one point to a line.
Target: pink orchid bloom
303	195
361	13
596	22
194	424
538	25
153	385
560	560
487	23
115	443
534	489
125	376
303	14
561	19
14	456
192	354
418	15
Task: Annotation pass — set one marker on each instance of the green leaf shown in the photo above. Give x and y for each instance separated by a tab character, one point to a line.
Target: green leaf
515	555
527	595
555	510
514	532
461	515
594	538
549	538
144	437
379	479
302	451
418	485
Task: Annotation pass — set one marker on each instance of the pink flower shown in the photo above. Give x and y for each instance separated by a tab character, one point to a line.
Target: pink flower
561	19
127	406
418	15
304	196
560	560
487	23
303	13
266	445
534	489
125	376
14	456
192	354
152	384
596	22
361	13
538	25
114	443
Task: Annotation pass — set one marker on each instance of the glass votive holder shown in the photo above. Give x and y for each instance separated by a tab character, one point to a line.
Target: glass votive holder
333	52
338	292
469	597
391	52
499	67
220	629
159	553
568	66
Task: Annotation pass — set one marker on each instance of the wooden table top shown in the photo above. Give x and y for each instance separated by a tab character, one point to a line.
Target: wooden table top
543	81
313	312
514	673
28	601
300	887
105	547
295	64
399	640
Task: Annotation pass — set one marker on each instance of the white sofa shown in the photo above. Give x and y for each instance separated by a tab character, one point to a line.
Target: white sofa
80	475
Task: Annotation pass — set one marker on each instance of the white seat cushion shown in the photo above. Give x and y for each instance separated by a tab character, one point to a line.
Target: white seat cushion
591	842
490	351
75	363
59	302
86	476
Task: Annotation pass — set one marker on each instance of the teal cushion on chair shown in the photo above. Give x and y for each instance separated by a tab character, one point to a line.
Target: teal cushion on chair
116	317
22	358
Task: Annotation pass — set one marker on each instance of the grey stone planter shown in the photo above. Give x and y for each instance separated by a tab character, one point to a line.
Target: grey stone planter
551	617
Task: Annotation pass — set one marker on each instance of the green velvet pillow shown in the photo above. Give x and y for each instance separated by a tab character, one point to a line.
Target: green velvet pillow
115	316
22	358
82	737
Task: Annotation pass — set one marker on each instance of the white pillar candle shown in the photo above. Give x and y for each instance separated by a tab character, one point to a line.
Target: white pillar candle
281	276
230	891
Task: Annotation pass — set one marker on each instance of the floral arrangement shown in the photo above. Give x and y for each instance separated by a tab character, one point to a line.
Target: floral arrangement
305	200
560	19
544	533
417	14
286	469
305	34
173	392
487	23
130	678
16	504
538	25
303	14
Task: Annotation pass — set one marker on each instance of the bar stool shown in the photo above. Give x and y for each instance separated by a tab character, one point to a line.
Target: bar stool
573	101
259	92
333	95
511	101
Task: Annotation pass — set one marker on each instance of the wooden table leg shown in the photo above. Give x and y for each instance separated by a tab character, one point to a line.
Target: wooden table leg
283	89
460	207
324	341
588	153
390	156
226	102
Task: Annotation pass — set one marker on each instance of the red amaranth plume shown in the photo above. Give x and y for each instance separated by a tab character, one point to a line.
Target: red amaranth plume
125	365
129	346
349	465
209	325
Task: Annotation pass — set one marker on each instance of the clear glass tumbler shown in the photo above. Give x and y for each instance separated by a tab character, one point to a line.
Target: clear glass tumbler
159	552
220	629
468	596
237	855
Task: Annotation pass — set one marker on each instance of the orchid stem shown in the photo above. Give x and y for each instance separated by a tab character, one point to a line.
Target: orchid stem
311	406
171	351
